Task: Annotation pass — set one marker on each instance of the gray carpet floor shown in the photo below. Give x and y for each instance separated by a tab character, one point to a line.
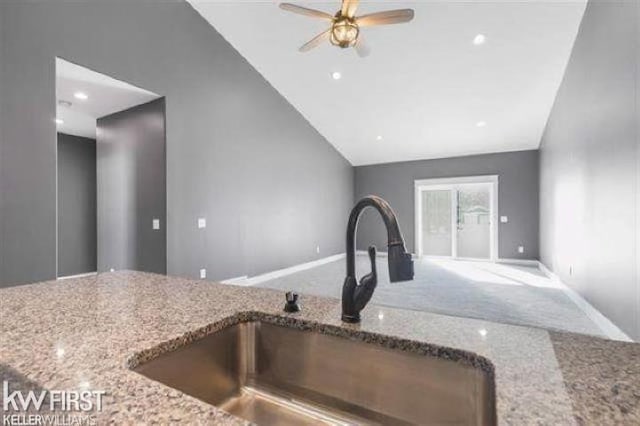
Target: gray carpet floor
510	294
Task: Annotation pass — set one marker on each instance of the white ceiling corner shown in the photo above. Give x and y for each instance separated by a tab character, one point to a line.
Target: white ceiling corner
106	95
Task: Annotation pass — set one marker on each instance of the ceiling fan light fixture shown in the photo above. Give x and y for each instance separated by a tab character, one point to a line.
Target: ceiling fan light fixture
345	26
344	33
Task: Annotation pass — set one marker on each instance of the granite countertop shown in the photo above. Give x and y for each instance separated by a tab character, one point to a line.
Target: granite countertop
85	333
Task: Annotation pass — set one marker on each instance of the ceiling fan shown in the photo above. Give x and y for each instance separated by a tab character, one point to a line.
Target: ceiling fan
345	25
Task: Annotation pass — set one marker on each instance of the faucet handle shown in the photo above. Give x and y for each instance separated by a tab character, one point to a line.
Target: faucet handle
372	258
291	304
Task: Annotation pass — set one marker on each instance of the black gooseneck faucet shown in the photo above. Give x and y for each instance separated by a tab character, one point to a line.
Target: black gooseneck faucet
356	296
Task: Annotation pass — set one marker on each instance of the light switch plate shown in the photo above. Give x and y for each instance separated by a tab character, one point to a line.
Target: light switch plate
203	273
520	249
504	219
156	224
202	222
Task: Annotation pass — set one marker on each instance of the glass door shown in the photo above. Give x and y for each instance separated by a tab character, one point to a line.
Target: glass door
456	217
436	227
473	221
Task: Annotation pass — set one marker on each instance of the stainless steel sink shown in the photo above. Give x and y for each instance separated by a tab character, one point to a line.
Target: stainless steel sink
269	374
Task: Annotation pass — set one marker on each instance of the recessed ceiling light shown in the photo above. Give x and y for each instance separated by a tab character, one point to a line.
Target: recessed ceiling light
378	138
481	123
59	121
80	95
336	75
64	103
479	39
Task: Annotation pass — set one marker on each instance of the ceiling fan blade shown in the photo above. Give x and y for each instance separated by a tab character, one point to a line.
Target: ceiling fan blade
349	7
316	41
385	18
305	11
362	48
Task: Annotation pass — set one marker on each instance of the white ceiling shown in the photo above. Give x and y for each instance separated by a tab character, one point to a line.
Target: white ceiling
425	85
106	96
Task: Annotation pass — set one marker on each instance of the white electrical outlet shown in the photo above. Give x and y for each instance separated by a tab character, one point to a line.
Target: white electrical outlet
504	219
520	249
203	273
156	224
202	222
111	270
317	249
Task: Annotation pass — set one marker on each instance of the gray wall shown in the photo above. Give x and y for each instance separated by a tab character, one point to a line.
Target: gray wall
76	205
2	55
517	196
589	167
132	190
271	187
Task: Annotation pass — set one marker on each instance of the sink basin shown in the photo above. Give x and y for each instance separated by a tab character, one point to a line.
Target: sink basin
270	374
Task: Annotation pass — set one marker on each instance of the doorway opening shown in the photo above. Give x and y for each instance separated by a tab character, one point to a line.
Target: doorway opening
457	217
111	174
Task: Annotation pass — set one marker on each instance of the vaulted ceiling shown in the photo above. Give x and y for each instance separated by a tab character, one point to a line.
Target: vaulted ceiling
426	90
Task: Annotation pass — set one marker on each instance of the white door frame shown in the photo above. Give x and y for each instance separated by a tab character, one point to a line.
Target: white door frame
421	185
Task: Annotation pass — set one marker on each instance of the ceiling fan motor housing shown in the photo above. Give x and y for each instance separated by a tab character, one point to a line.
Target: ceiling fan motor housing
344	32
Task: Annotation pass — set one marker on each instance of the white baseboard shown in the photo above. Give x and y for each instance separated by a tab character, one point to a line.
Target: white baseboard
246	281
523	262
380	253
611	330
506	261
235	280
86	274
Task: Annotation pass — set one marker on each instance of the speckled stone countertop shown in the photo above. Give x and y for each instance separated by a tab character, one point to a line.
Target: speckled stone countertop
85	333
